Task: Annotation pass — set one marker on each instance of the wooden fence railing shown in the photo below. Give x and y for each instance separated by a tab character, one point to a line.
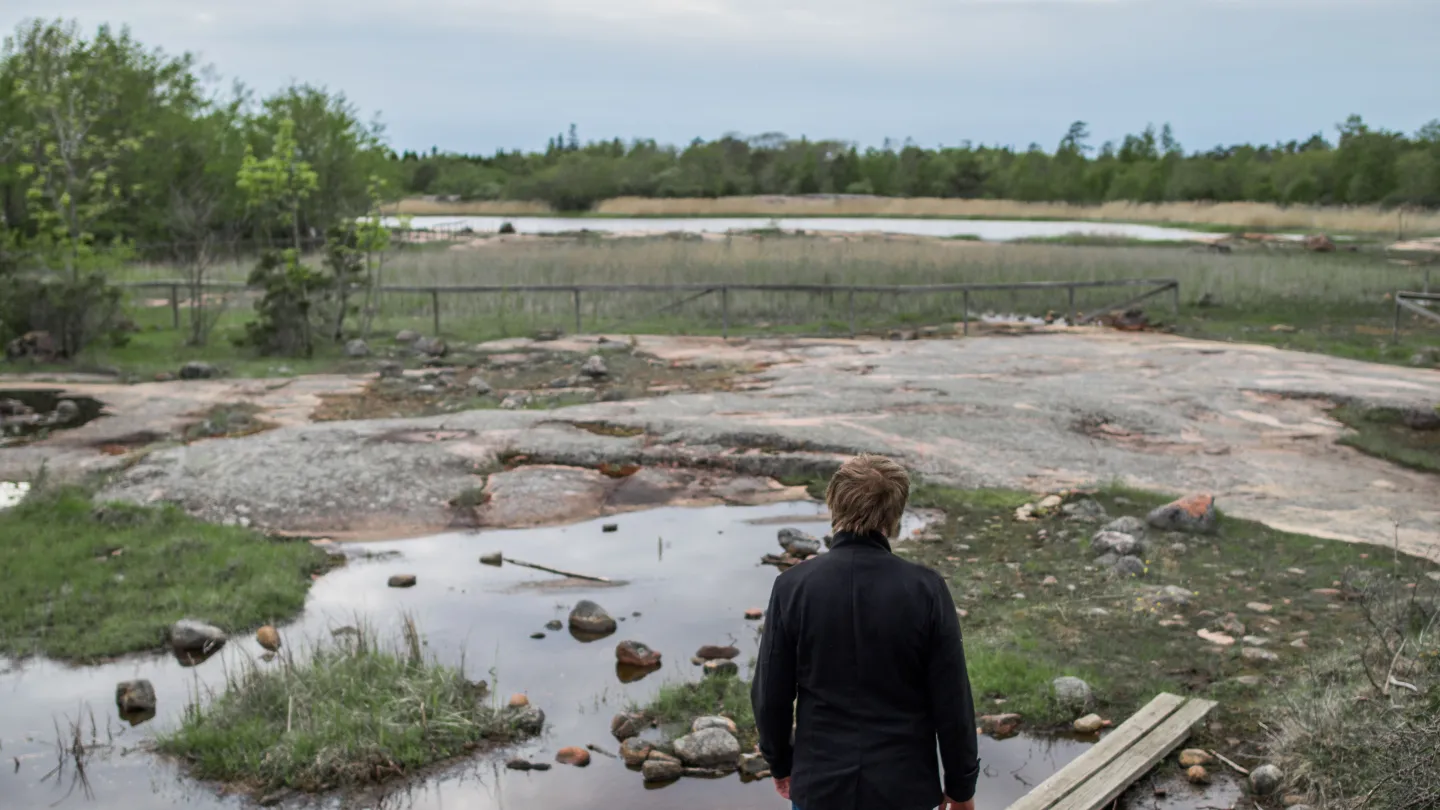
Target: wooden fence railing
692	292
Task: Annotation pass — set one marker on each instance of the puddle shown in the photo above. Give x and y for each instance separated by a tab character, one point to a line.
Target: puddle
690	572
28	412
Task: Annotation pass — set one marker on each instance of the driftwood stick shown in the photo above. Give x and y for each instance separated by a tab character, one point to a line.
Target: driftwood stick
1218	756
550	570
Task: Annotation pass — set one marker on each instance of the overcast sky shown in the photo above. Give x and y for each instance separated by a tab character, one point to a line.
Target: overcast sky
474	75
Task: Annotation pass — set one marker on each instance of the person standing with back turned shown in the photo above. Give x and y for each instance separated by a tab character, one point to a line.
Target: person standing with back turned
861	657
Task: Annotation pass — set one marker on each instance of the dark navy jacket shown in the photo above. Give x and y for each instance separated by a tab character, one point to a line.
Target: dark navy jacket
870	644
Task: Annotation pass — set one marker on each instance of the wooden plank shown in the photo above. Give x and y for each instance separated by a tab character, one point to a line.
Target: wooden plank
1105	786
1100	754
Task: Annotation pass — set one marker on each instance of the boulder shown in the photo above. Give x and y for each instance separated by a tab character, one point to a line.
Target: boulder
519	399
999	725
402	581
407	336
519	700
635	751
588	617
708	748
1266	779
1117	543
635	654
798	544
554	624
33	345
722	668
357	348
196	370
188	635
479	387
391	370
268	637
1193	514
626	725
1319	243
1129	566
711	652
1072	695
1197	775
754	614
135	697
573	755
594	367
661	770
702	723
1105	560
1089	724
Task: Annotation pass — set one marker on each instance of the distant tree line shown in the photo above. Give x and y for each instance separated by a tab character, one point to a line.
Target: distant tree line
1362	166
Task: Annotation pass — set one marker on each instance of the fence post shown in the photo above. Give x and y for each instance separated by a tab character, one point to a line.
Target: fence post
965	314
1070	319
851	309
175	305
435	308
576	293
725	313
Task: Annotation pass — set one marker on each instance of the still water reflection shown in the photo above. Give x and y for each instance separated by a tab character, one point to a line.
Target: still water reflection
691	574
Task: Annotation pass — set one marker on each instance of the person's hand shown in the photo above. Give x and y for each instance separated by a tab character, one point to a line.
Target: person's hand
951	804
782	786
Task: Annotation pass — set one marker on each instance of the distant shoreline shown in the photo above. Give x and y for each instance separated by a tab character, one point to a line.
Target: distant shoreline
1212	217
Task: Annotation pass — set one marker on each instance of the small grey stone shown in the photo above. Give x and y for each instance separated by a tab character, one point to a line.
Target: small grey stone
1129	524
1106	560
135	696
196	370
188	635
479	387
709	748
1259	656
1084	510
798	543
754	765
722	667
702	723
407	336
66	411
391	370
661	770
1073	695
1266	780
588	617
357	348
594	367
1122	544
1129	566
526	719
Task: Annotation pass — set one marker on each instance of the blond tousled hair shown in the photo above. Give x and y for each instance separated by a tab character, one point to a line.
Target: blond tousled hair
868	494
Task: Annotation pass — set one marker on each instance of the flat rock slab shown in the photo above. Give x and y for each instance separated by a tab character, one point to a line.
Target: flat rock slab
1011	412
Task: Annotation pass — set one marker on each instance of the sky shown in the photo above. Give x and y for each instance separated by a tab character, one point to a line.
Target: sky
477	75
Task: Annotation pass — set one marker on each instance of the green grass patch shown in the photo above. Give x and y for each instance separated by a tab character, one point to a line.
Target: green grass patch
84	582
678	704
1389	433
355	713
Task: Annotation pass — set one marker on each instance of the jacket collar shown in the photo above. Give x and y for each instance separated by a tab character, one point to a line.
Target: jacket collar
871	539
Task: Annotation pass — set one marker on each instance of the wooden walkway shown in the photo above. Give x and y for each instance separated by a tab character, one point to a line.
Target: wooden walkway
1124	755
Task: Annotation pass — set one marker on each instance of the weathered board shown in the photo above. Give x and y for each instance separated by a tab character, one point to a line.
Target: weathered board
1124	755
